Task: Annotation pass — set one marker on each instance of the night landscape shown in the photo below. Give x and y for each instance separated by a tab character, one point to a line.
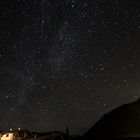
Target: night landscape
69	69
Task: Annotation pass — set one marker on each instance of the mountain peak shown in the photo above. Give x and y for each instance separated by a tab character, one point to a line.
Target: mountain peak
123	121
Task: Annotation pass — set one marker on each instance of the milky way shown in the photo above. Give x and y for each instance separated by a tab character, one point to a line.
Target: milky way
65	63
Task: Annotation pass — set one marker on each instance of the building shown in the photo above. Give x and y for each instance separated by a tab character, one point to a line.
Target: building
15	135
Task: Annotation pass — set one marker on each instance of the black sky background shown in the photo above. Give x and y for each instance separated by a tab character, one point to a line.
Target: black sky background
67	62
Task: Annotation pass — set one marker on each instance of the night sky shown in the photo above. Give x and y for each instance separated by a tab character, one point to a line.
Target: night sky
65	63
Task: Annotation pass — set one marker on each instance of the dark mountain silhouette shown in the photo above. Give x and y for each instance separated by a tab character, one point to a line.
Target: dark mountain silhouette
121	123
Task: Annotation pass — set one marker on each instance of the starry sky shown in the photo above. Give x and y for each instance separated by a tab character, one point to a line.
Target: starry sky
65	63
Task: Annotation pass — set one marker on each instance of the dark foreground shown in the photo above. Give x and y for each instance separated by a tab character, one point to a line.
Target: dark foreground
122	123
